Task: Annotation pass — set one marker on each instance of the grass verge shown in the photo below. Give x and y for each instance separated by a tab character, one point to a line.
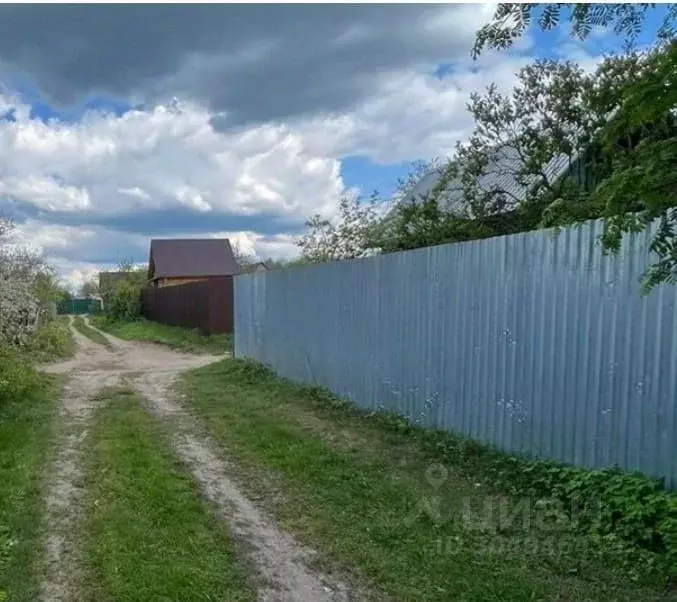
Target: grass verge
24	440
416	513
192	341
149	535
93	335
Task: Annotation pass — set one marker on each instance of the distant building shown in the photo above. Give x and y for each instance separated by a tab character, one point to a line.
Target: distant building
181	261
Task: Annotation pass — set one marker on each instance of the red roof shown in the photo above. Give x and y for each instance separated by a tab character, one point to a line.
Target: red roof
188	257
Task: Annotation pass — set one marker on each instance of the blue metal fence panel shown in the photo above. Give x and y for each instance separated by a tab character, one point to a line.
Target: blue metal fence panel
537	343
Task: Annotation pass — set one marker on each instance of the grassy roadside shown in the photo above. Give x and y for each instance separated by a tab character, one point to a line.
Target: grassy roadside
24	440
149	535
377	496
175	337
93	335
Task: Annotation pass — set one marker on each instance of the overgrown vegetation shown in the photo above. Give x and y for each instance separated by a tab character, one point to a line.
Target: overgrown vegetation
122	299
564	146
51	341
19	380
25	415
148	533
411	509
175	337
30	333
93	335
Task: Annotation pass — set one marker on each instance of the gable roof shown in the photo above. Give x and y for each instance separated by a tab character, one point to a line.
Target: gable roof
499	174
180	257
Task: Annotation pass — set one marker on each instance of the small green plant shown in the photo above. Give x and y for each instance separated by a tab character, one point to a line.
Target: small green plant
17	377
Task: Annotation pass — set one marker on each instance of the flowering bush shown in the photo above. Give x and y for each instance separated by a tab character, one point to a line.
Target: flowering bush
20	272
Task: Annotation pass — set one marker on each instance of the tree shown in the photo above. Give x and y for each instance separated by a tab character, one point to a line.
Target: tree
511	21
89	289
352	236
540	145
504	163
123	297
642	143
243	258
20	276
611	136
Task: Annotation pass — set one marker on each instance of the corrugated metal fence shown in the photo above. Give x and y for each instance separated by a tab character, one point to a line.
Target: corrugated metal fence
533	342
206	305
87	305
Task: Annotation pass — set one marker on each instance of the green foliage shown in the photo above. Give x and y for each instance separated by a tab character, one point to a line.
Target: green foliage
350	237
124	302
17	378
600	503
512	20
89	289
50	341
625	115
122	296
642	143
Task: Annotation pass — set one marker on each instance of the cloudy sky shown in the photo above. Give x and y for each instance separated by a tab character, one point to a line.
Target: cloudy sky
119	123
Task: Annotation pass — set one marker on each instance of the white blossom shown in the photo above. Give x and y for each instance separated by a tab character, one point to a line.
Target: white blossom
19	306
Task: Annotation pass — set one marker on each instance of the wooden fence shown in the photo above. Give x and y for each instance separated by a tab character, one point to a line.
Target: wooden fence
207	306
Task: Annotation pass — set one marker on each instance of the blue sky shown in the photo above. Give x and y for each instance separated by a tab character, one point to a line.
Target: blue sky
238	132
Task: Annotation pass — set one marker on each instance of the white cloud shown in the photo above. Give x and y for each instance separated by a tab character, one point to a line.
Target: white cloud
79	252
413	116
171	157
278	246
164	158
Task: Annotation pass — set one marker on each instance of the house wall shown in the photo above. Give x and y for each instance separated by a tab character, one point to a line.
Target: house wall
162	282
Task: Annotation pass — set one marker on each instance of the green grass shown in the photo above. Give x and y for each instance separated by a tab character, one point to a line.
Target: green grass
372	494
24	439
182	339
149	535
93	335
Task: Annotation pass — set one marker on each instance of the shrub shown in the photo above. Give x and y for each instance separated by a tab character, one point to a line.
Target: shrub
607	502
124	303
53	339
17	377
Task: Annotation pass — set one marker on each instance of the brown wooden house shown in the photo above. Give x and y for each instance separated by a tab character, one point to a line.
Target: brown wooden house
186	260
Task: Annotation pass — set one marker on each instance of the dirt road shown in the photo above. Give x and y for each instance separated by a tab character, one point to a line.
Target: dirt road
279	562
